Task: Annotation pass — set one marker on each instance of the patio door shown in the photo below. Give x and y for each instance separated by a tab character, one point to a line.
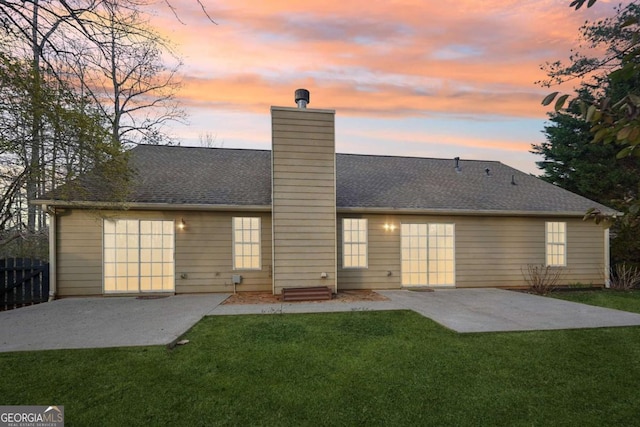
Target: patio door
427	254
138	256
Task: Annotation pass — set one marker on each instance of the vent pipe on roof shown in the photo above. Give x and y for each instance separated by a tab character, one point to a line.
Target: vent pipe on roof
513	180
302	98
457	159
487	171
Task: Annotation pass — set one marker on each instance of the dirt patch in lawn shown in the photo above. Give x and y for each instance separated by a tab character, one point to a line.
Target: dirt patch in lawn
268	298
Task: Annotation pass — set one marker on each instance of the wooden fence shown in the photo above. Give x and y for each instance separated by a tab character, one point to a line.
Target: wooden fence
23	281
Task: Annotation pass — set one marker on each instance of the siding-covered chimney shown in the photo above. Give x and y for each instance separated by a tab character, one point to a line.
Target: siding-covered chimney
304	197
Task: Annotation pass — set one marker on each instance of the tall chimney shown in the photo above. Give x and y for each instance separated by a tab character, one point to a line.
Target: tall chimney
302	98
303	184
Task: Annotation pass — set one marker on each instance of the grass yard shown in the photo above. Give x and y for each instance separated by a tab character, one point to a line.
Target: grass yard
620	300
341	369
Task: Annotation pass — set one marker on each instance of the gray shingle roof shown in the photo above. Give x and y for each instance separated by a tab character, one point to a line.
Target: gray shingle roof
436	185
192	175
218	176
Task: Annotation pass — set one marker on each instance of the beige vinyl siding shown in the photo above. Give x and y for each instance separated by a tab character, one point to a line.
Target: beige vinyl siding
203	251
79	253
494	251
303	183
489	251
383	256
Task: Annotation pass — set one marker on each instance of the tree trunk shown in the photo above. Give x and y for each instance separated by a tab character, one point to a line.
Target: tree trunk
33	177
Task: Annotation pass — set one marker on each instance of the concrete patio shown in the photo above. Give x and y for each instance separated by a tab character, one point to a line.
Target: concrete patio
128	321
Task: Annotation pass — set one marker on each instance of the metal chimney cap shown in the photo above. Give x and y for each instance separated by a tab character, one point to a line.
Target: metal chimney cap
302	98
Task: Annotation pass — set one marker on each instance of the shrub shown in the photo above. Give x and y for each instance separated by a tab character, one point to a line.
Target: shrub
541	279
624	277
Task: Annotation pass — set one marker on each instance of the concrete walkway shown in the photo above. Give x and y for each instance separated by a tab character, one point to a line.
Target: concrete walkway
301	307
467	310
103	322
128	321
498	310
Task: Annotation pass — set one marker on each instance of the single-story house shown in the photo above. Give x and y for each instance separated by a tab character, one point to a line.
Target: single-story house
300	215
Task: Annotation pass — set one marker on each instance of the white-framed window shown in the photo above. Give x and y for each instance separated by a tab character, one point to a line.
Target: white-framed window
246	243
354	243
138	256
556	244
428	254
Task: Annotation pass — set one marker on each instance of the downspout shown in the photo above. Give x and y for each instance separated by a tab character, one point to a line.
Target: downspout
607	259
52	252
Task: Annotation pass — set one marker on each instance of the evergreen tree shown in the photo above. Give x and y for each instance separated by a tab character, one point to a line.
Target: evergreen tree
573	162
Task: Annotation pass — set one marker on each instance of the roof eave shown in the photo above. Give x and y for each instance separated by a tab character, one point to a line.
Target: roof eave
151	206
466	212
340	209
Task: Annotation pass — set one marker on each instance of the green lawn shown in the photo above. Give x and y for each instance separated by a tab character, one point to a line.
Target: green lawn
620	300
359	368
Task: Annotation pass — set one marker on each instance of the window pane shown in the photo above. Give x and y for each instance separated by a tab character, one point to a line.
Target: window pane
427	248
121	227
121	240
121	284
156	269
110	241
354	243
136	243
556	238
109	226
156	241
255	262
167	269
145	241
109	269
145	283
132	270
121	255
109	255
145	227
145	269
246	242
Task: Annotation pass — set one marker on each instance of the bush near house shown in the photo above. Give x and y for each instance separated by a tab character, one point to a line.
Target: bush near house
541	279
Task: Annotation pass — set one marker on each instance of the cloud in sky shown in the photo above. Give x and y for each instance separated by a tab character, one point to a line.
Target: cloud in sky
405	77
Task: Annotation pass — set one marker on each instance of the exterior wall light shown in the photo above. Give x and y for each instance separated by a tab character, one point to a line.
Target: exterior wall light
389	227
182	225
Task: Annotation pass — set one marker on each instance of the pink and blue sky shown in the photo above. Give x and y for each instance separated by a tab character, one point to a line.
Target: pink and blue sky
408	77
